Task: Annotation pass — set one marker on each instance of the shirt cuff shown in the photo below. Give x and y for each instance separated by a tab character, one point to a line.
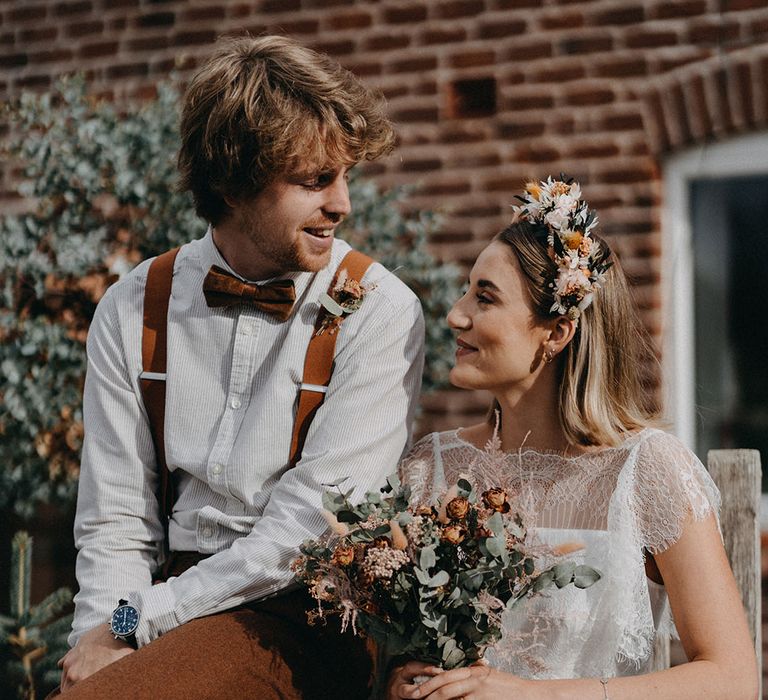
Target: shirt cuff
156	612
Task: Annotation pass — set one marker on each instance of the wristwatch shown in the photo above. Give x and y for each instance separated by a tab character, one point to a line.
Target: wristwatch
124	621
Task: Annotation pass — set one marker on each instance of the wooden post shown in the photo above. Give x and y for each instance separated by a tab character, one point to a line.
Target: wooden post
737	474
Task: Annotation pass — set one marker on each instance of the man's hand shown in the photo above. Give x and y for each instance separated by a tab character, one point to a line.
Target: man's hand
96	649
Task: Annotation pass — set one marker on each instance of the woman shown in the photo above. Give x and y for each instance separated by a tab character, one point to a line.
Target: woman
547	326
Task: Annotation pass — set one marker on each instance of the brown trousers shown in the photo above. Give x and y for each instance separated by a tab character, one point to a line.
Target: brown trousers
260	651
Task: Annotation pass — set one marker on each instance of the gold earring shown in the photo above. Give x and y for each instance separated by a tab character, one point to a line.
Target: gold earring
548	355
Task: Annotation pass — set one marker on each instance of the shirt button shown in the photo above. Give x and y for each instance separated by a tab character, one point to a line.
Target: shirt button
217	468
235	403
207	532
247	329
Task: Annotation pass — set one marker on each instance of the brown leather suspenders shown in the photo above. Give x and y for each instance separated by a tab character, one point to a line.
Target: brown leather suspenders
318	366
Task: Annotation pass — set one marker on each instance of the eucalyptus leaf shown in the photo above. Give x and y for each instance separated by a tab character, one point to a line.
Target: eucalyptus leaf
585	576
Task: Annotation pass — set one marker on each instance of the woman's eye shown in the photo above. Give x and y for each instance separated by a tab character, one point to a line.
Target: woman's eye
483	299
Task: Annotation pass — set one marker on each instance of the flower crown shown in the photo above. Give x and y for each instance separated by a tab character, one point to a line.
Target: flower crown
563	221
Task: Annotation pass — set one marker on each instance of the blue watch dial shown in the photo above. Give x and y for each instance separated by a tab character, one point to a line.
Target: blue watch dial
125	620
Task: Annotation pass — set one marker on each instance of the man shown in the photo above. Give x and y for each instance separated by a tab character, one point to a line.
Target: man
269	132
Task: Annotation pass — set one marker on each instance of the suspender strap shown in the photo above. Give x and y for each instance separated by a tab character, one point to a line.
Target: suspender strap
154	361
318	363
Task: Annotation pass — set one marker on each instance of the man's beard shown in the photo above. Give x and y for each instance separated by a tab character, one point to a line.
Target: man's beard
286	257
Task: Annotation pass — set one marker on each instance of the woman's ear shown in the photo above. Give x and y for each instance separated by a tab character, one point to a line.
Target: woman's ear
561	333
230	201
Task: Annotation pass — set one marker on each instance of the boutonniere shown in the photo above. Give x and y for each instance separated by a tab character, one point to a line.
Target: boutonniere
345	298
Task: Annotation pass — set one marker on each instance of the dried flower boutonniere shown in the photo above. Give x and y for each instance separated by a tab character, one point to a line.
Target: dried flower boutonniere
346	297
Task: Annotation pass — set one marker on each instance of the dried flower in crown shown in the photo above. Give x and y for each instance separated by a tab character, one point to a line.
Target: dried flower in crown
564	222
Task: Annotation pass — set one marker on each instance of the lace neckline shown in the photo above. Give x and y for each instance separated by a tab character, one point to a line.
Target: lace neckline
631	440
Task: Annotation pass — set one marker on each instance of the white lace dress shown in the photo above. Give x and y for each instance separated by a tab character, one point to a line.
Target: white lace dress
618	502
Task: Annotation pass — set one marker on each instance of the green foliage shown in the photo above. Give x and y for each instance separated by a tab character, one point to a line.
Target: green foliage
32	638
103	184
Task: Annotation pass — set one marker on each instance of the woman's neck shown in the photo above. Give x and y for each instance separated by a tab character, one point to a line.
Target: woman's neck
531	417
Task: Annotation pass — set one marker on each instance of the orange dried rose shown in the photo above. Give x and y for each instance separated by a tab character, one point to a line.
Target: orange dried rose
352	289
496	499
453	534
458	508
343	556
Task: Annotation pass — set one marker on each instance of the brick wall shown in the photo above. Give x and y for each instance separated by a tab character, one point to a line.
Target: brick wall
485	94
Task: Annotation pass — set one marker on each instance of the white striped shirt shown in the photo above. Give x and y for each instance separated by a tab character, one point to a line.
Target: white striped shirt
232	387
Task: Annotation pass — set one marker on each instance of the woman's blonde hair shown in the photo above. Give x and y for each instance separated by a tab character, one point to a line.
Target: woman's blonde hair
603	393
261	107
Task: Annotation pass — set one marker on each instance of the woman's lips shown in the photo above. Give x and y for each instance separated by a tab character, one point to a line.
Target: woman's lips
464	348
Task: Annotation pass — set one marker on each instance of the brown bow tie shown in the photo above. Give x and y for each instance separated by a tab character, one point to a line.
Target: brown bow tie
224	289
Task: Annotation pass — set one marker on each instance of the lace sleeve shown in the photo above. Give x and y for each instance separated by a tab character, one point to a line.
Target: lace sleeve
671	485
420	468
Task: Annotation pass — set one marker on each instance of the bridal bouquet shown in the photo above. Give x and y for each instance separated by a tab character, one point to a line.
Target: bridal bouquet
430	582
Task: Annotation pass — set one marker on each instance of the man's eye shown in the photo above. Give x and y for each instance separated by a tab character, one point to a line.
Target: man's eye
319	182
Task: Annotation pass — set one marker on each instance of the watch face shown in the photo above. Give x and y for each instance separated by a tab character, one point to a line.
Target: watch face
125	620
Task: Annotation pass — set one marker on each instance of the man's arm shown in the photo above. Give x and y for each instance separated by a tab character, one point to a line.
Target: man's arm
359	432
117	527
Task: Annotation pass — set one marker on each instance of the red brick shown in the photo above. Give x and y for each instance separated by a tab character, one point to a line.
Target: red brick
428	87
156	19
98	50
50	56
624	176
659	133
670	10
517	4
299	26
529	51
390	92
648	39
416	114
587	44
115	4
43	34
28	14
387	42
279	6
678	114
444	36
758	27
421	166
364	69
14	60
65	9
595	150
118	24
34	82
127	70
405	15
562	20
714	31
327	3
737	5
631	14
743	87
459	8
532	153
351	20
240	10
533	101
670	62
196	14
698	108
198	38
148	43
623	122
472	59
622	68
414	64
502	29
591	96
558	74
335	48
478	160
519	130
444	188
460	134
477	212
84	28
